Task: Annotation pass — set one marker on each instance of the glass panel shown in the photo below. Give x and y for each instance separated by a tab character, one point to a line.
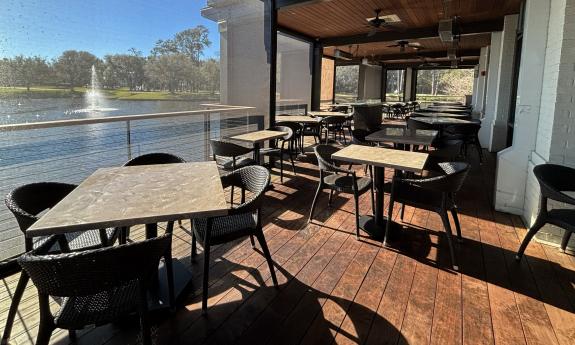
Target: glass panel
57	63
346	83
294	75
449	85
395	85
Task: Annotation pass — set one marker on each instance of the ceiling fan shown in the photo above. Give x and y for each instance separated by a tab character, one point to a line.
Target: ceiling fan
405	44
389	21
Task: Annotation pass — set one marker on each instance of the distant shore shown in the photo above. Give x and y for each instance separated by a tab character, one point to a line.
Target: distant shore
119	94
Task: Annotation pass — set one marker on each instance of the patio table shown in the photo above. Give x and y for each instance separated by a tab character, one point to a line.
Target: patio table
449	110
441	121
327	113
258	137
380	227
403	136
134	195
297	119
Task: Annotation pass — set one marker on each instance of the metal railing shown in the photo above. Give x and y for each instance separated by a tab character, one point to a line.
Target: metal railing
71	150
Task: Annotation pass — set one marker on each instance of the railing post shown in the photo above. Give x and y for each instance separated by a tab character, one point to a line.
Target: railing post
207	136
129	139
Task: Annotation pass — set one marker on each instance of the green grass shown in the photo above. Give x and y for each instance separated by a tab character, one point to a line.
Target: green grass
121	94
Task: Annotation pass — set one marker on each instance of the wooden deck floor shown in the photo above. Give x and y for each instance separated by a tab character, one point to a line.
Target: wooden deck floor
335	289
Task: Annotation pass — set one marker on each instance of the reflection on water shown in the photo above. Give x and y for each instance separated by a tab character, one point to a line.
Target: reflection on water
25	110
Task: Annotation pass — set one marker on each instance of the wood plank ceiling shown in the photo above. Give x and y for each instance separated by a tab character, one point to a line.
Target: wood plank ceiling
345	18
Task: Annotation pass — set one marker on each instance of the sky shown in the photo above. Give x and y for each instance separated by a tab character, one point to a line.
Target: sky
49	27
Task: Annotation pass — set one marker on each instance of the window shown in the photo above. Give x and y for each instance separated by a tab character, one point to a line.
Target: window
346	83
395	91
436	85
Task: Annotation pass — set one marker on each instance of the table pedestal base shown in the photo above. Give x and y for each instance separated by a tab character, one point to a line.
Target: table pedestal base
159	295
375	231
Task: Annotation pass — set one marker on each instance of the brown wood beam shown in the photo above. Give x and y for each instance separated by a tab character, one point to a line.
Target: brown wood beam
283	4
410	34
424	54
441	64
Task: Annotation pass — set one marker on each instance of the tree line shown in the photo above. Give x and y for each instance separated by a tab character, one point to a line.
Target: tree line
173	65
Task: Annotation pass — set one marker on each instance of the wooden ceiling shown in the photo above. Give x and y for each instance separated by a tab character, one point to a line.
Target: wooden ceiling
342	24
339	18
429	45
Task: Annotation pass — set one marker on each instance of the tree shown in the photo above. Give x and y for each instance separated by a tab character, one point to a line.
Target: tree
172	72
458	82
125	70
74	67
28	71
192	42
210	71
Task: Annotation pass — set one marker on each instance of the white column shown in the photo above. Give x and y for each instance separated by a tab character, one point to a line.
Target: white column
512	163
491	94
369	82
481	80
499	129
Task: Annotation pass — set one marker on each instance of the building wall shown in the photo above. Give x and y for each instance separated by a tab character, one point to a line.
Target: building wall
545	118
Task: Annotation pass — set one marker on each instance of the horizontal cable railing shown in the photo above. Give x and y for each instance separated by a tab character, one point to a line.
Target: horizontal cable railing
71	150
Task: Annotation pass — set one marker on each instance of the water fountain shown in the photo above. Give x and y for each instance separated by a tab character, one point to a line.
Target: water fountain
94	99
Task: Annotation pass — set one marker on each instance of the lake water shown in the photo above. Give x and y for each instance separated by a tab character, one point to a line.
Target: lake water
70	154
24	110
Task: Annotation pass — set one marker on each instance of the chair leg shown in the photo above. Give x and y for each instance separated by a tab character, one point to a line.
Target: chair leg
194	245
292	164
319	188
170	276
252	241
72	335
447	227
330	197
457	224
20	288
534	229
206	277
232	195
565	240
356	200
266	251
145	325
402	211
46	325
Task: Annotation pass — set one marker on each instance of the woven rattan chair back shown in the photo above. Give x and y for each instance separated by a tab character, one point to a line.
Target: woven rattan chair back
155	158
28	201
94	271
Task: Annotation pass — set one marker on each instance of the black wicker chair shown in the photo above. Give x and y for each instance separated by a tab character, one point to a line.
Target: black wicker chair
242	220
228	156
469	133
26	204
333	125
554	181
296	143
279	150
435	194
96	286
330	177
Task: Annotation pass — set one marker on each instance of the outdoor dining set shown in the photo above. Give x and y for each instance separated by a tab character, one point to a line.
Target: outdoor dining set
80	243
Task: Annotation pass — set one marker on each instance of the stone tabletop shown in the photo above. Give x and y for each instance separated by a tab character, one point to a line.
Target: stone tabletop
296	118
127	196
387	158
259	136
446	110
403	135
441	120
327	113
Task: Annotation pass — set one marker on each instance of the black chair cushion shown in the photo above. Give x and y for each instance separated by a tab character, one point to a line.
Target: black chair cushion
226	228
77	312
345	183
226	164
417	197
563	218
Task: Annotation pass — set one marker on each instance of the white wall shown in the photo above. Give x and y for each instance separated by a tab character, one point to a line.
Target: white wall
545	118
491	93
369	82
481	80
